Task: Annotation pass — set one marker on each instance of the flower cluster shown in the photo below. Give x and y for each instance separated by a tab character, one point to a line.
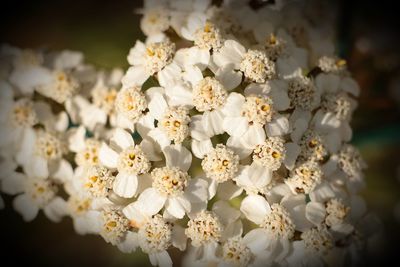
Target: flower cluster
228	137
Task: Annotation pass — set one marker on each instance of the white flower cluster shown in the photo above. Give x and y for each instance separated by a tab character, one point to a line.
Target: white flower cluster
227	137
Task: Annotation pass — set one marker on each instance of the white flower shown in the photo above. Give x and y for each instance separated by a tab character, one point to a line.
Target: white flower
85	220
61	87
172	121
16	117
40	152
86	149
130	105
147	60
155	20
29	74
304	177
332	64
172	186
128	159
254	64
254	178
115	229
36	194
315	245
207	228
277	222
155	235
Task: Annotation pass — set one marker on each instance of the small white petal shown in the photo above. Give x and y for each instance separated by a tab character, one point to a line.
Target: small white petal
179	94
26	207
159	137
322	192
56	209
344	228
108	157
292	152
226	213
253	136
212	121
63	171
231	53
256	240
163	259
235	126
178	156
130	243
135	76
157	106
27	147
197	190
76	140
125	185
135	215
236	144
13	183
229	78
121	138
278	126
232	230
327	83
315	212
178	207
255	208
150	201
358	208
350	85
38	167
279	95
228	190
254	177
201	148
179	238
233	105
150	149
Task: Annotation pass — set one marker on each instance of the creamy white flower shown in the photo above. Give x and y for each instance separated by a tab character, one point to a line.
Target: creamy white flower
130	104
271	153
304	177
147	60
61	88
86	149
128	159
38	194
207	228
40	152
246	116
253	178
172	121
221	164
97	181
332	64
254	64
155	234
115	225
312	146
303	93
85	220
155	20
172	186
277	223
316	244
16	117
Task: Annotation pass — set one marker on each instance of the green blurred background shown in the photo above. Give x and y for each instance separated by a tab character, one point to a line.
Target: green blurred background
106	30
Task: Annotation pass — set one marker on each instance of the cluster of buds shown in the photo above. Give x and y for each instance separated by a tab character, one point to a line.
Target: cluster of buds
227	137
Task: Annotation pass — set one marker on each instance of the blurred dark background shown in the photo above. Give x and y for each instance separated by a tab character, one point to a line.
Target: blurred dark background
368	38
